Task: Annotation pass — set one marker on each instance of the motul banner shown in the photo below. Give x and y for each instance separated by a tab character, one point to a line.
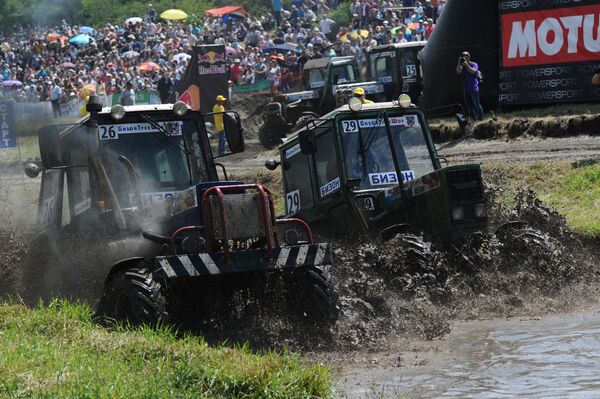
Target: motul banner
205	78
550	50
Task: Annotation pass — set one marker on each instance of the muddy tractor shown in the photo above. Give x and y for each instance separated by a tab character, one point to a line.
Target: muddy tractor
397	67
132	211
329	82
374	168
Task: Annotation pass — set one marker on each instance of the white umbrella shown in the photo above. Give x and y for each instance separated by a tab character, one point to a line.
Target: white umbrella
130	54
133	20
181	56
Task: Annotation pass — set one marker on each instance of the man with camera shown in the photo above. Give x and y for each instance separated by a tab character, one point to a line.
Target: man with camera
470	73
596	77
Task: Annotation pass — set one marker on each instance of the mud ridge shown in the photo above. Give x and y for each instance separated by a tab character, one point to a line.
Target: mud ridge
511	128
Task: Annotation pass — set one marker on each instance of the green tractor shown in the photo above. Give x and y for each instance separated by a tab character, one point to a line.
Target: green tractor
374	168
328	83
397	67
133	217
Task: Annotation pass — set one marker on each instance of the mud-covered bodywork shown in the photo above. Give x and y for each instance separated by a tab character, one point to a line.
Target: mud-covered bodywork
378	168
131	205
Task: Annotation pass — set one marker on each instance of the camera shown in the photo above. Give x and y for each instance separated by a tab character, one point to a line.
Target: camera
461	59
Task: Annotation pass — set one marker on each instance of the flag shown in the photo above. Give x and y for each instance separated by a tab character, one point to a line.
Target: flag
204	79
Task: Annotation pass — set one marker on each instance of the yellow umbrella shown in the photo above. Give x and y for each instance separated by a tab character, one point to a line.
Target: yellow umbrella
173	14
149	66
87	90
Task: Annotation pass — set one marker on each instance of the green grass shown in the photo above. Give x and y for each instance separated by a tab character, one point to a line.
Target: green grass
572	190
59	352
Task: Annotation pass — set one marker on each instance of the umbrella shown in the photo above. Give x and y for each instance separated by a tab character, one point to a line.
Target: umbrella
173	14
81	39
181	56
87	90
51	37
11	83
133	20
68	65
281	48
149	66
230	51
130	54
86	29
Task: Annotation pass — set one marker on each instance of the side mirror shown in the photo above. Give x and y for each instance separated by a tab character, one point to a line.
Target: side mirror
32	170
50	148
234	132
308	142
272	164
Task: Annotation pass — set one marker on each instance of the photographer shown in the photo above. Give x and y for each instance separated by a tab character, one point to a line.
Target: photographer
596	77
469	70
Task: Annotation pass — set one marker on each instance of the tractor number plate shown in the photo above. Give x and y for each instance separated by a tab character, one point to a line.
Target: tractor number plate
113	132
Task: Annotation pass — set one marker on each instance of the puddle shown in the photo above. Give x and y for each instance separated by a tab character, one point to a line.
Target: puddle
554	357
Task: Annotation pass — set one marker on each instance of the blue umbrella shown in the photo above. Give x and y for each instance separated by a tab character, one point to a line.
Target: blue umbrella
281	48
86	29
80	39
10	83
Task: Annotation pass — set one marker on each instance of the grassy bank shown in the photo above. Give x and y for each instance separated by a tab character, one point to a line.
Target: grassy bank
58	352
573	189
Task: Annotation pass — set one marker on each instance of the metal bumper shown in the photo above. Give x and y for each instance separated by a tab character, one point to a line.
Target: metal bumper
206	264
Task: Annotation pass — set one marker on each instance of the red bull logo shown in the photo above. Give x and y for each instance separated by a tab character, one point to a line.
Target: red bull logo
212	58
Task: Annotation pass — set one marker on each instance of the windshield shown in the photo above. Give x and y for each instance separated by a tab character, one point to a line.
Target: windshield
163	164
382	66
341	74
316	78
368	156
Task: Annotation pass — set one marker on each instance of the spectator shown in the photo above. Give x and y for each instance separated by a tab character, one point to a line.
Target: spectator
164	86
219	109
55	95
469	71
128	95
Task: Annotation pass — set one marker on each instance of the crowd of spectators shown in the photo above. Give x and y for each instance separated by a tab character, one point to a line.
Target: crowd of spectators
42	64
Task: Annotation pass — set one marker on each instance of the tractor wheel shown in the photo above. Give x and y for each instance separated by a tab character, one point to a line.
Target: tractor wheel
266	139
134	296
318	294
524	236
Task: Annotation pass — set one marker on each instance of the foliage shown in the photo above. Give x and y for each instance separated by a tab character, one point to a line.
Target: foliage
573	190
342	15
58	352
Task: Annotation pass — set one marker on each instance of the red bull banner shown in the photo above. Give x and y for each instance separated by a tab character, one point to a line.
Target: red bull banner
550	51
204	79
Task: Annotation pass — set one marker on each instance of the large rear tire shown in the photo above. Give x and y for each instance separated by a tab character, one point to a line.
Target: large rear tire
318	294
134	296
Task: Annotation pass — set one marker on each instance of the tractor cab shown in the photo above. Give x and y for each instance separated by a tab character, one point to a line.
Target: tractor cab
374	166
121	161
398	68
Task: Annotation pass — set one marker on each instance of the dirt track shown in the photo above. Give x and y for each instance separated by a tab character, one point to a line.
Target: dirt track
376	320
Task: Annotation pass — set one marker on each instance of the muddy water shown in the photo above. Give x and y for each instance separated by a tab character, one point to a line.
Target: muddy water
552	357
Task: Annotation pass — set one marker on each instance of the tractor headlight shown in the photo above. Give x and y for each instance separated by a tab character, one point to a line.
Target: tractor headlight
404	100
117	112
355	104
180	108
480	211
458	213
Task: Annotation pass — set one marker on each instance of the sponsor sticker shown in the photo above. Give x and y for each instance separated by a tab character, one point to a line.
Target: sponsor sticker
330	187
112	132
384	178
384	79
184	200
290	152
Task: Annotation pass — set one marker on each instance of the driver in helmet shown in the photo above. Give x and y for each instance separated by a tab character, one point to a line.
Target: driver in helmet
359	92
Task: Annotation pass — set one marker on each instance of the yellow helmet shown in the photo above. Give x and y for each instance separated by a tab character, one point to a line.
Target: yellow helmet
359	91
221	98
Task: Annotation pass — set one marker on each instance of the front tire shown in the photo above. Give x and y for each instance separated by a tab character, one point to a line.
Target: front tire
266	139
134	296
